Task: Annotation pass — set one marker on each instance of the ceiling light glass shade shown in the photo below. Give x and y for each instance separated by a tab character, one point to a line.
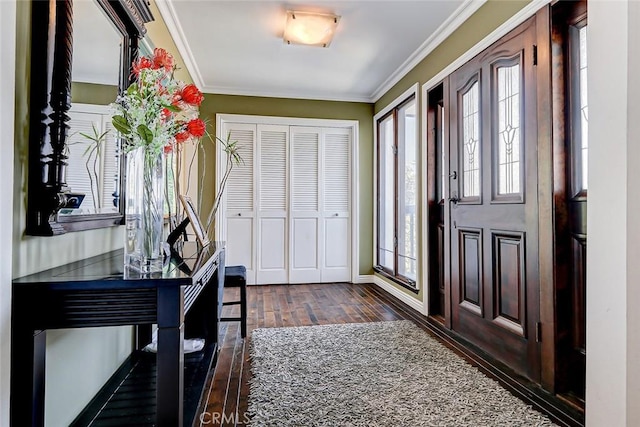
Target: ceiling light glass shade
314	29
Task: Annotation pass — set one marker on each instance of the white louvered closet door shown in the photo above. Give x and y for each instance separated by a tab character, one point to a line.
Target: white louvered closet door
111	166
272	221
104	170
336	230
78	179
240	201
305	217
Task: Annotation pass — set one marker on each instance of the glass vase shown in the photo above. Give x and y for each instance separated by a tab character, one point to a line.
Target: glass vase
144	211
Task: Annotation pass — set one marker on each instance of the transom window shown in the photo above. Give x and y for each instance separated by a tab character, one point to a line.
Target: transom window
397	193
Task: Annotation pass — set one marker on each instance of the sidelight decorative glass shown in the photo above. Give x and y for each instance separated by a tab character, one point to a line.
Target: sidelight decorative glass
508	82
471	141
584	109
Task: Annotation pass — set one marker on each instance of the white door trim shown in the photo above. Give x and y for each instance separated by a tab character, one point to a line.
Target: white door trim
353	125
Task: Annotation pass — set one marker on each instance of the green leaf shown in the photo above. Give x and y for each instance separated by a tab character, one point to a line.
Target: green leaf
89	137
121	124
131	89
145	134
173	108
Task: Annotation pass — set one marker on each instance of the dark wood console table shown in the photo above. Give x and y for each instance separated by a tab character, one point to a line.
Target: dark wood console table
97	292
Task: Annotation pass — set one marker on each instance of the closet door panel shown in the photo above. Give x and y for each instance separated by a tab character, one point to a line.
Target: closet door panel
306	227
241	233
240	240
272	196
336	201
304	261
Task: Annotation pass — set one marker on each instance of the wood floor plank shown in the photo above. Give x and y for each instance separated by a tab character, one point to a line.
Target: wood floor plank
280	306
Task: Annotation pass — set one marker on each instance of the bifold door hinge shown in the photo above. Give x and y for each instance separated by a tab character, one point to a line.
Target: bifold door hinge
538	332
535	54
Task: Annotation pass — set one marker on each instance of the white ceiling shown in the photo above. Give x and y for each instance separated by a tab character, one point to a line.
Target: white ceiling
236	47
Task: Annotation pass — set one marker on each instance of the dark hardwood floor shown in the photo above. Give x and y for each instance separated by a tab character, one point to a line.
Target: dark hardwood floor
317	304
279	306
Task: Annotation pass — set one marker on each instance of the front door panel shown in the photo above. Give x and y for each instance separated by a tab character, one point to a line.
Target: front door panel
493	207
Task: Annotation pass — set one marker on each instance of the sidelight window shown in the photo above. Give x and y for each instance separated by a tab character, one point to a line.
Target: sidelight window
397	175
580	113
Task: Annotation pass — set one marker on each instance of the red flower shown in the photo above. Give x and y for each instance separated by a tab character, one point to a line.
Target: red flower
162	59
142	64
191	95
168	149
182	137
165	114
196	127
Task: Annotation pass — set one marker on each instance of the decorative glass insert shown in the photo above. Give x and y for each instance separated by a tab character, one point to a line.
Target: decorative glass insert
584	110
508	82
441	147
471	142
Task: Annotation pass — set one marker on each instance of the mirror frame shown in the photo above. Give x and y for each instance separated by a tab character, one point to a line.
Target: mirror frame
50	100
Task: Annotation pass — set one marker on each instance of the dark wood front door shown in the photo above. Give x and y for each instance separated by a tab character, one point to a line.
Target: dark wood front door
493	202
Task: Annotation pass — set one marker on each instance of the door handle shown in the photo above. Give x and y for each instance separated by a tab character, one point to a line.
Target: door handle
453	175
454	199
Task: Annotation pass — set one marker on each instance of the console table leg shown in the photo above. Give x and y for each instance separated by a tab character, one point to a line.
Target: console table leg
143	336
170	358
28	351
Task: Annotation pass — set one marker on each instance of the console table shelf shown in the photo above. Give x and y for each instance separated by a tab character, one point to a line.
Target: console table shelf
185	299
128	398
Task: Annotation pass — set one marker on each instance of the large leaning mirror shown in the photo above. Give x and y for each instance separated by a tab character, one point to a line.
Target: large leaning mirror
81	55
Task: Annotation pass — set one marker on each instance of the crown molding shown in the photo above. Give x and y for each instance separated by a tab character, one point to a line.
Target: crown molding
517	19
297	94
175	30
457	18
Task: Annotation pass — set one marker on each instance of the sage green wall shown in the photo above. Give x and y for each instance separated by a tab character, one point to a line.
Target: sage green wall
485	20
284	107
89	93
78	361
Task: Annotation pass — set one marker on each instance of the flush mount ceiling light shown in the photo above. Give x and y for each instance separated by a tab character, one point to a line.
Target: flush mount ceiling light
313	29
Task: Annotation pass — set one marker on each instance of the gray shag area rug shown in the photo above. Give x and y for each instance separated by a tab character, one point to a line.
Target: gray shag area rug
389	374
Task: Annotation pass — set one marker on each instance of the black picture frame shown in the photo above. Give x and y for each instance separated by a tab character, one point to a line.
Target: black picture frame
198	228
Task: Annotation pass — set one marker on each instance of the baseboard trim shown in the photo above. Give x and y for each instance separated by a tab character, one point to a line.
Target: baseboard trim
412	302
